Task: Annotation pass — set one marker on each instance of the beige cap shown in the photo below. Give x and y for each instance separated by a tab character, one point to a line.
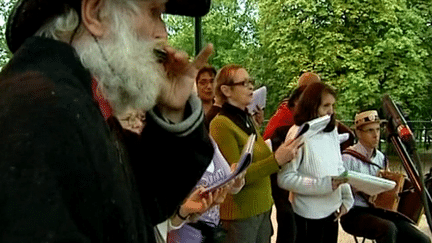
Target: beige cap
366	117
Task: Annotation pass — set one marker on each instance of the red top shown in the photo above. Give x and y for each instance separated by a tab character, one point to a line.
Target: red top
283	117
104	106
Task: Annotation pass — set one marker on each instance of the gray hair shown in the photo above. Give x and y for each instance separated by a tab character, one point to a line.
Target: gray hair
65	26
125	65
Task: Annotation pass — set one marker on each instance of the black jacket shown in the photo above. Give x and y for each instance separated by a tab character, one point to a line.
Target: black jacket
65	175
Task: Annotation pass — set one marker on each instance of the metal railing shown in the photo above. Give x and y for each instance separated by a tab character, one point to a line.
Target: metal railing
422	131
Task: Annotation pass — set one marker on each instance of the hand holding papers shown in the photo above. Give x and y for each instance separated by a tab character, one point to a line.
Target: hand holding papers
310	128
258	100
288	150
243	163
371	185
317	125
302	130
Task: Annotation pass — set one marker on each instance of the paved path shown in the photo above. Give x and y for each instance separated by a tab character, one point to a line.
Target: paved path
346	238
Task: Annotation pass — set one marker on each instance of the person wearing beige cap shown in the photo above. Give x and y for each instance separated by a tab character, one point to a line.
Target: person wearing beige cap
363	219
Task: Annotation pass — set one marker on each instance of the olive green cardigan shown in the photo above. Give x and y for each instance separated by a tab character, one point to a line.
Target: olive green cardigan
255	197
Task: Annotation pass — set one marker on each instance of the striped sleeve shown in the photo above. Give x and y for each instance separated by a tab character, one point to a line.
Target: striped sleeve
188	125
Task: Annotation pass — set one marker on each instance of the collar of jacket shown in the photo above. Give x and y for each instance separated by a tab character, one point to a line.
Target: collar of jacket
55	58
240	117
359	147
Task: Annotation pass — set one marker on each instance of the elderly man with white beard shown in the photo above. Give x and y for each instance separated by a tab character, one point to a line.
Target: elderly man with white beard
68	172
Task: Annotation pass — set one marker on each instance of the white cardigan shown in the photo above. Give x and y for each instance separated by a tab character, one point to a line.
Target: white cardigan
308	177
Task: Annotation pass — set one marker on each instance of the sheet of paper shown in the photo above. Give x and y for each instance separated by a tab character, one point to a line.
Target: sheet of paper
371	185
243	163
259	99
309	129
343	137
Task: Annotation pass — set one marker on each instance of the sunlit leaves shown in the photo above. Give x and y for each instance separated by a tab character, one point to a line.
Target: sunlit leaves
364	48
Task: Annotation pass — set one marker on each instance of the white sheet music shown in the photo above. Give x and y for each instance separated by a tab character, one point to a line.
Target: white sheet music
243	163
371	185
259	99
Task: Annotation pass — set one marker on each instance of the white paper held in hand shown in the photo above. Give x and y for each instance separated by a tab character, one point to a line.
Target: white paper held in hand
371	185
243	163
258	100
309	129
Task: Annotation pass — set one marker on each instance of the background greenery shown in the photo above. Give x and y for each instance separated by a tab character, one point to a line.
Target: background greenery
364	48
5	8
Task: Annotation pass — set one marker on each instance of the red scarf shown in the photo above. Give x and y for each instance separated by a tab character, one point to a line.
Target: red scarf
103	104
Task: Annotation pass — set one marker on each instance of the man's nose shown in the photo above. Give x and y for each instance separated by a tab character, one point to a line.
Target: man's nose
250	85
209	85
161	31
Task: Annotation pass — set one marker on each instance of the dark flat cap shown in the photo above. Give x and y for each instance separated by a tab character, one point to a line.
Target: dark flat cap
29	16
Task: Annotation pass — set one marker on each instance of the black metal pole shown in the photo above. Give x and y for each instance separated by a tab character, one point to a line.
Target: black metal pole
407	163
198	35
413	167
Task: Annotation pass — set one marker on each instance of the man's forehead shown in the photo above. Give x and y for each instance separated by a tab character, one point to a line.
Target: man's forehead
206	73
371	125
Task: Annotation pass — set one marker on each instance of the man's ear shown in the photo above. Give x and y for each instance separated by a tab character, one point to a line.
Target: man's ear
90	11
226	90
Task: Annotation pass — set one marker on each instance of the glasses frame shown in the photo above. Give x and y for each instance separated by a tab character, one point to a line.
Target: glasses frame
206	82
371	130
244	83
132	119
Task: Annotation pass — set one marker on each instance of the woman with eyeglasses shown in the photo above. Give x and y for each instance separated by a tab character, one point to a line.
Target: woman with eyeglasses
246	215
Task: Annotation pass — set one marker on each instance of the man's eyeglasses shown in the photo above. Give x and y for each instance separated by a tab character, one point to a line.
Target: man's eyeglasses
371	130
245	83
205	82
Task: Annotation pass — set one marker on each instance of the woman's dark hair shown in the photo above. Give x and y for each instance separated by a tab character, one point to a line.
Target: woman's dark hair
295	96
309	102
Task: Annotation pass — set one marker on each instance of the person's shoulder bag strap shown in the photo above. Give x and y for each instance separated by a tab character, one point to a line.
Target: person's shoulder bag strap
360	156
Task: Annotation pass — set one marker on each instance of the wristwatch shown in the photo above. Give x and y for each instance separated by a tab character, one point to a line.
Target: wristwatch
180	216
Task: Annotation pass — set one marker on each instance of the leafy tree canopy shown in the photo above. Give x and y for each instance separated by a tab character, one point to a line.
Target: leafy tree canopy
364	48
231	26
5	8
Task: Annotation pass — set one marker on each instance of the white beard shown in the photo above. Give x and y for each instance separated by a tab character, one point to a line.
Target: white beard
127	71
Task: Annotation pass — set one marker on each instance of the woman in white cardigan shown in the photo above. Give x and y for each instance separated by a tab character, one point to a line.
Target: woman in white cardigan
318	196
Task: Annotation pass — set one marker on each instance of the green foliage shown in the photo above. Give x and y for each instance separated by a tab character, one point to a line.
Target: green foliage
230	27
5	8
362	48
